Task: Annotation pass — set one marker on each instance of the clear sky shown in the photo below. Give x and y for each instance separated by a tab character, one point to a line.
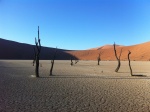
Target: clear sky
76	24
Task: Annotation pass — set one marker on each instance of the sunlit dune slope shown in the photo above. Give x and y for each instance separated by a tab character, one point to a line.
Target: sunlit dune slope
138	52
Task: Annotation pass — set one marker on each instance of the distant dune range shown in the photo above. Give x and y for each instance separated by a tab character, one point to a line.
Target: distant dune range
15	50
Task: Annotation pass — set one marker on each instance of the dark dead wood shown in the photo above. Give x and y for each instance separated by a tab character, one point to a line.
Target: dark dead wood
118	58
130	63
37	51
52	62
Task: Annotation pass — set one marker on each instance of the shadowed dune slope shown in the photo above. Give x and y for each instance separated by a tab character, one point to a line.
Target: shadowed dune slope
15	50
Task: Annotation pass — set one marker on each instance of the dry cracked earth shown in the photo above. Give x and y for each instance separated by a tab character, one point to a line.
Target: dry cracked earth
84	87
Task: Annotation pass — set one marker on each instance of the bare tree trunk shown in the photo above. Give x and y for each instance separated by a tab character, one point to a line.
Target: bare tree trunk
98	59
37	51
129	63
71	61
52	62
118	67
118	59
37	67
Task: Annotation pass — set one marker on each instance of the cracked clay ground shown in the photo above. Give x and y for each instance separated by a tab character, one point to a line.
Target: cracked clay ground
84	87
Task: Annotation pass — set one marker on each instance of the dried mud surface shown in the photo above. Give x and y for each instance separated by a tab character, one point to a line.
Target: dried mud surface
84	87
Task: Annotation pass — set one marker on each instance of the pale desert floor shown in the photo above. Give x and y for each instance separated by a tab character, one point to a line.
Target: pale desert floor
84	87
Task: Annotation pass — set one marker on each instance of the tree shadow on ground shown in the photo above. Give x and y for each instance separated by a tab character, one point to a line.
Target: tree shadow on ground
139	75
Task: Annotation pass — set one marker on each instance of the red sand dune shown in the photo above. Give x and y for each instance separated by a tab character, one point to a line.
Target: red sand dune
15	50
138	52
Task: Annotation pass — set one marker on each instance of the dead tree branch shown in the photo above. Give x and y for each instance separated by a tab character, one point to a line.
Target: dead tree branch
37	51
76	59
118	58
129	63
52	62
99	58
71	61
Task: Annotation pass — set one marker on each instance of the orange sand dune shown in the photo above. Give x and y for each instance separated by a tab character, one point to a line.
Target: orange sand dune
104	47
138	52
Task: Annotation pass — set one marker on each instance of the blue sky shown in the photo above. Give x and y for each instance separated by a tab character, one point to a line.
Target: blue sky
76	24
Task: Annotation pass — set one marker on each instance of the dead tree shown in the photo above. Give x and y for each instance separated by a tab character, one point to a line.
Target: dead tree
71	61
118	58
76	61
37	50
52	62
99	58
129	63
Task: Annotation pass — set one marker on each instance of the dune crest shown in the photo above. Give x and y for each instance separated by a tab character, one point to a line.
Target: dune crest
107	46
